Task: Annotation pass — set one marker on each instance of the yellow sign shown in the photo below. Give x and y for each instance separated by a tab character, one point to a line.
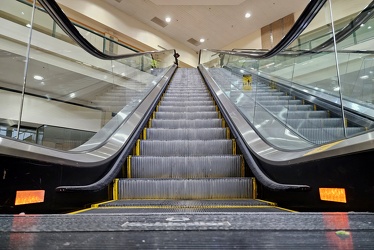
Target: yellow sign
247	82
333	194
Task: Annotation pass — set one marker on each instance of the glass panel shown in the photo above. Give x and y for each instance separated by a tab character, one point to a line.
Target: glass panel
71	97
297	96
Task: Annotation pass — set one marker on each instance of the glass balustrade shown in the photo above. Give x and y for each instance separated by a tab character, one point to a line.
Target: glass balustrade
303	95
60	96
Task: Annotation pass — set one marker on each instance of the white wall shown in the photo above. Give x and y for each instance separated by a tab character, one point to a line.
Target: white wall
252	41
41	111
121	22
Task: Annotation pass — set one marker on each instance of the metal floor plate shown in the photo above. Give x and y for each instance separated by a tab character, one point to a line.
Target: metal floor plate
189	231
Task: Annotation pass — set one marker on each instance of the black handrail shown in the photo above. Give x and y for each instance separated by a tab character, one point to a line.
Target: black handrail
54	10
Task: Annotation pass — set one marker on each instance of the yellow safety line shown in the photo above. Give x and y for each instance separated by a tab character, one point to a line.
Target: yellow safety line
315	107
228	134
129	166
233	147
242	166
150	123
137	148
184	207
81	211
115	189
101	203
254	188
285	209
145	134
268	202
223	123
154	115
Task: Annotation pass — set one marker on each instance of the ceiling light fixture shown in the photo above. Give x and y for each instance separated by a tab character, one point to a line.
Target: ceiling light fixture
168	19
39	78
202	40
247	15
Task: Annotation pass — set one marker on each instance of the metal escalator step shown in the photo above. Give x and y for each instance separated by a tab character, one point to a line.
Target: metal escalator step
315	123
324	135
187	91
320	114
285	103
186	109
186	103
273	98
202	123
186	148
187	98
188	203
185	167
187	95
214	188
186	115
186	134
276	109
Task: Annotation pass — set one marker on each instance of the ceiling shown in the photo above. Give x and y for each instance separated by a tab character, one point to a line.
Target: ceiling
220	24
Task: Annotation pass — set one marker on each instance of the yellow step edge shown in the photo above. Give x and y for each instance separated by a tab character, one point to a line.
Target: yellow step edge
145	134
81	211
137	148
254	188
228	133
129	166
115	189
242	166
233	146
184	207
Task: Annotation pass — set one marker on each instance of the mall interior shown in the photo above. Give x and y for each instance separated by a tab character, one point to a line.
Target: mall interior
216	124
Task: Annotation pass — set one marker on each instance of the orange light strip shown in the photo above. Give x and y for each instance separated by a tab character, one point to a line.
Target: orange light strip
29	197
333	194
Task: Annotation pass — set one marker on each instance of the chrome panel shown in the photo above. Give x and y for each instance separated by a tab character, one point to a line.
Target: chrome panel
274	156
87	158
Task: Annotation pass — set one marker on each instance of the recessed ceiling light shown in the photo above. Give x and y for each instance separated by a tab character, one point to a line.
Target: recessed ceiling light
72	95
28	25
247	15
39	78
168	19
202	40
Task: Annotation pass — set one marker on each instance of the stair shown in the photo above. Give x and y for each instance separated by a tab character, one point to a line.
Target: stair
316	125
186	160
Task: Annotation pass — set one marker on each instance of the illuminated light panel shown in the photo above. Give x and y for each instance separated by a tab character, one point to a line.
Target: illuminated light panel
29	197
333	194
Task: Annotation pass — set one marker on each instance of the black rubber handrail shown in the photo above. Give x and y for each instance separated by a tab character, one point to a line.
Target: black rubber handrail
54	10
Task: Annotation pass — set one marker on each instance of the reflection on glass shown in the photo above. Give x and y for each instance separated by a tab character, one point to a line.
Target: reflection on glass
317	96
70	95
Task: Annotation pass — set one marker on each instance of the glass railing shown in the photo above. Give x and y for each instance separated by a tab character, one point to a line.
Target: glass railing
55	84
312	97
18	11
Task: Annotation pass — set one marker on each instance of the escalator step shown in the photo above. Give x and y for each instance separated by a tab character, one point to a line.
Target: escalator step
315	123
285	103
215	188
186	148
186	115
186	109
186	134
185	167
324	135
202	123
186	103
277	109
320	114
187	98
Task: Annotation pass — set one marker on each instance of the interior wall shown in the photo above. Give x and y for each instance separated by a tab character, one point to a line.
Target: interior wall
125	27
252	41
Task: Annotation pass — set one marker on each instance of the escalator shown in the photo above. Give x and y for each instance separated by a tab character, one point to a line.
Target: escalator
186	161
199	152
